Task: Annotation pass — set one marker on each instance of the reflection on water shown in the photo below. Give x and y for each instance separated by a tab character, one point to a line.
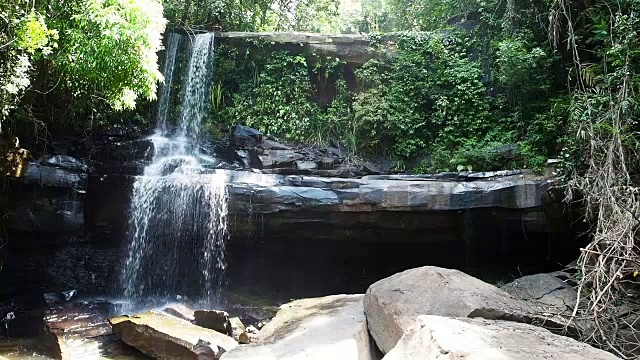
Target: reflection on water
100	348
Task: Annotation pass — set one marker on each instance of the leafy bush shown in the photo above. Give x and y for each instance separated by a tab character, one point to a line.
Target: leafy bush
279	102
487	156
109	48
78	55
371	108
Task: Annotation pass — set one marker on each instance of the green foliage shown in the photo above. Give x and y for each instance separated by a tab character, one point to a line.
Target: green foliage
32	35
438	93
338	120
88	55
326	16
486	156
278	103
429	96
24	38
371	107
109	49
275	94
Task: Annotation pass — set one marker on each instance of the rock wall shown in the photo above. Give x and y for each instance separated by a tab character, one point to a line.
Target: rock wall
301	218
354	49
67	221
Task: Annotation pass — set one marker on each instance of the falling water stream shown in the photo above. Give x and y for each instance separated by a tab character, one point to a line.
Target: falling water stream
177	227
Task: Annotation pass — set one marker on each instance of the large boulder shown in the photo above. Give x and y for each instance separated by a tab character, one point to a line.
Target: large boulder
279	158
245	137
167	337
441	338
42	175
546	289
74	329
332	327
217	320
85	319
180	311
392	304
239	331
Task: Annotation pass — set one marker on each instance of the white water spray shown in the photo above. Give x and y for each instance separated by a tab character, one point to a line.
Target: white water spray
178	224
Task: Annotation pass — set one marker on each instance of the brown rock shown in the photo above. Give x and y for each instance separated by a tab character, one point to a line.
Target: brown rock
238	331
81	318
180	311
166	337
213	319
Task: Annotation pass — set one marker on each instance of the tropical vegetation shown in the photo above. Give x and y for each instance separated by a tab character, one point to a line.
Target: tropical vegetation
461	81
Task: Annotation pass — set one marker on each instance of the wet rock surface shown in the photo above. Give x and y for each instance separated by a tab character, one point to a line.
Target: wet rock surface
436	337
69	214
80	318
386	193
102	347
167	337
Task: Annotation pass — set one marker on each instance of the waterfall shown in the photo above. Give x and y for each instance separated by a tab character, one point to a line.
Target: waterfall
178	214
164	98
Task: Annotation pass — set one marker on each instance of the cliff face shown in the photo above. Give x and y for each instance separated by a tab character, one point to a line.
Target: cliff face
353	49
299	216
67	219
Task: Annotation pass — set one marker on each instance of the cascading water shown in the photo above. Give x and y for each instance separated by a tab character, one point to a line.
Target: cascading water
173	42
177	229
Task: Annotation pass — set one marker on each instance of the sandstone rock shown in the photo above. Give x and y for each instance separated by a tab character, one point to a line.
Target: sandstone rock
546	289
56	298
180	311
53	215
54	177
350	48
279	158
81	318
238	331
245	137
102	348
326	163
339	152
392	304
371	168
213	319
166	337
272	145
441	338
249	158
389	193
126	152
306	165
332	327
66	163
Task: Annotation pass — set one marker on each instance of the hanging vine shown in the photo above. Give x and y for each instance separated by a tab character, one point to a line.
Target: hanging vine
604	174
